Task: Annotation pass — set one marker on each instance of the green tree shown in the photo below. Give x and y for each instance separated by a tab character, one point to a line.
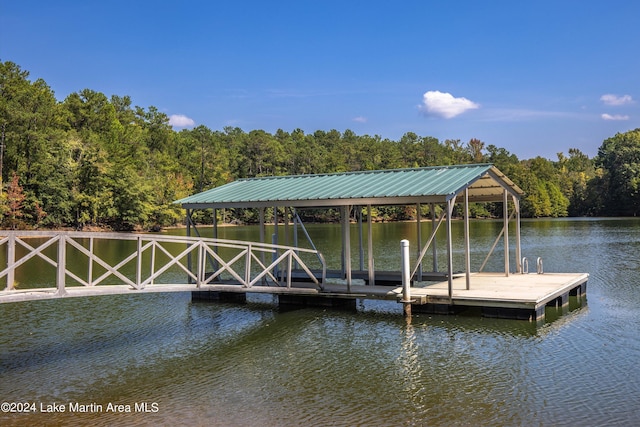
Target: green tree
204	155
576	171
619	156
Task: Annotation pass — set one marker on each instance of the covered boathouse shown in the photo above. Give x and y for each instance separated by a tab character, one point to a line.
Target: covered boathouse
498	294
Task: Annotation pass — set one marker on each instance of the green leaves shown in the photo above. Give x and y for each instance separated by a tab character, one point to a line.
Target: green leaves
619	156
93	160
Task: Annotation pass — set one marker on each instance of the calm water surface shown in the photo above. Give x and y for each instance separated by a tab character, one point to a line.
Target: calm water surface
237	365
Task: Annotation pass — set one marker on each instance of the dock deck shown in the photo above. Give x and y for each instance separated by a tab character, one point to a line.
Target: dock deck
513	296
517	296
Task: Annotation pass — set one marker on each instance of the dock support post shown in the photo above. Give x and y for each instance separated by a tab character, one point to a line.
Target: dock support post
419	237
516	204
262	235
189	235
406	280
370	265
360	237
505	214
346	245
275	225
450	205
467	246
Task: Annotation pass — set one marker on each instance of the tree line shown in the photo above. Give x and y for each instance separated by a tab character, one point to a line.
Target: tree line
93	160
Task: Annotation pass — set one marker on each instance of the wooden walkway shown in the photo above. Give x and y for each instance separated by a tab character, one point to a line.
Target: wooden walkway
517	296
243	268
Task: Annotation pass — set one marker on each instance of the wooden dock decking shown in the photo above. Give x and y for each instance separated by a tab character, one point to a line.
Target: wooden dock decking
521	296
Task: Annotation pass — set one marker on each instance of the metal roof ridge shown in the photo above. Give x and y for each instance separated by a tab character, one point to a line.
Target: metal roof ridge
370	171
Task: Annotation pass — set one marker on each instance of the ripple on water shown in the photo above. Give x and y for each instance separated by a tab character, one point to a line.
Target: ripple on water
215	364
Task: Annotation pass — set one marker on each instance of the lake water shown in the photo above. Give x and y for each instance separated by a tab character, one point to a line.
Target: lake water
171	361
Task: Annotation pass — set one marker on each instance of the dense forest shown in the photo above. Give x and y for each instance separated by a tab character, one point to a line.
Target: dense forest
91	160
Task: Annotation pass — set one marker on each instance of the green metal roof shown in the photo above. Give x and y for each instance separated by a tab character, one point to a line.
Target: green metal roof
380	187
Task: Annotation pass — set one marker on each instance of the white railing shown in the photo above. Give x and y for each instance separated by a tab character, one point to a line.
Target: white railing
202	260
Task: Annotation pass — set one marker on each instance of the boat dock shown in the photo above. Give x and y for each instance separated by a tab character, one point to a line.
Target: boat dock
218	269
511	293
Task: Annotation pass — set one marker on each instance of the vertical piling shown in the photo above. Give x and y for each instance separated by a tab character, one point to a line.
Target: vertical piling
406	283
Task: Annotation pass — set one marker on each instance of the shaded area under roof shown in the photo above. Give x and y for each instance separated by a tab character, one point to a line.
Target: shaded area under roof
380	187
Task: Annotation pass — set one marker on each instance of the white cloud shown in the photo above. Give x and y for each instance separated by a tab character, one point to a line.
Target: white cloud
445	105
360	119
180	121
611	99
606	116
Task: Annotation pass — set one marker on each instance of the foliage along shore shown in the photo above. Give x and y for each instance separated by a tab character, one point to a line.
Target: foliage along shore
99	162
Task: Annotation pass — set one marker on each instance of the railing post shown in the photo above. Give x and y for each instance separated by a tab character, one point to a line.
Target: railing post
62	265
201	263
247	268
139	263
153	261
11	259
406	280
90	269
289	262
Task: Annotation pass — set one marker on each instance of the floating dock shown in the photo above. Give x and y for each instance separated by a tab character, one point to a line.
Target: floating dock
517	296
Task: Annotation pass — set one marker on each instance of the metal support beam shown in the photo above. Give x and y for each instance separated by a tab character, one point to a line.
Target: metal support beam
432	208
516	204
370	266
429	242
215	223
467	245
419	238
360	237
450	205
189	212
506	231
262	232
286	225
346	245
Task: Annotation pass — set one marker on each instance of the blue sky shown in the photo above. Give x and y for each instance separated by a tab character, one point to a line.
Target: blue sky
534	77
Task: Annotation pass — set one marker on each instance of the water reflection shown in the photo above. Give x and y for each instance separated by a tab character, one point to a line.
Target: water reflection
230	364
